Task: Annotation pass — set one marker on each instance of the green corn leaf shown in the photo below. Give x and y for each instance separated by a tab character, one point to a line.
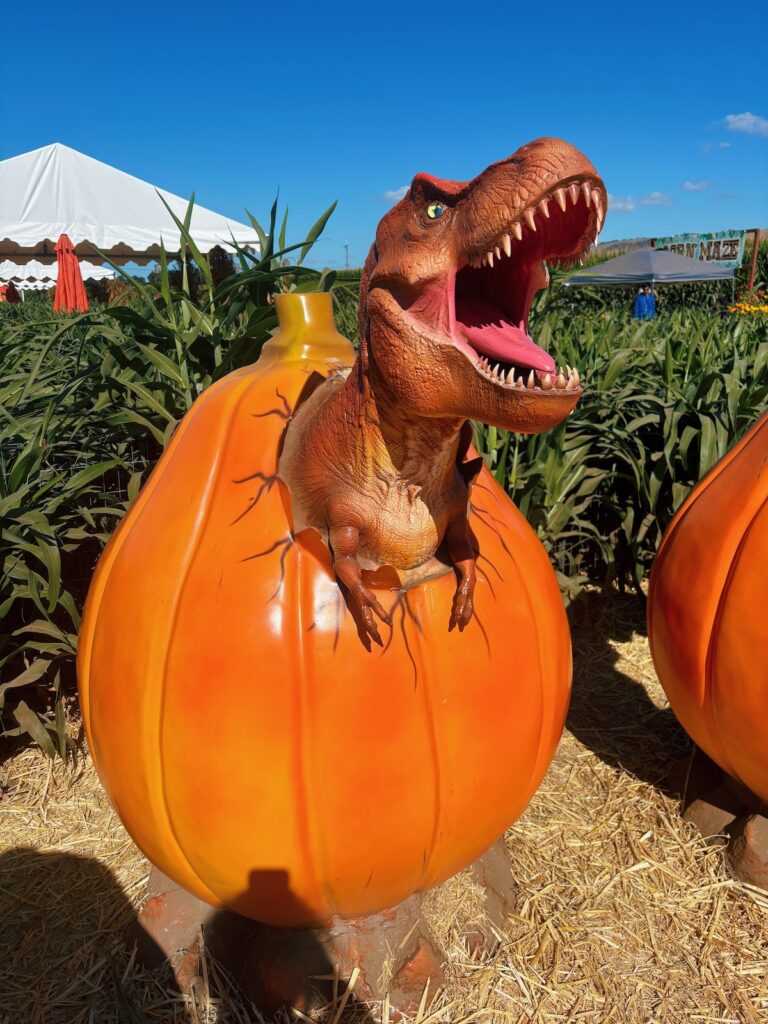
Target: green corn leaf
35	671
32	724
166	366
315	231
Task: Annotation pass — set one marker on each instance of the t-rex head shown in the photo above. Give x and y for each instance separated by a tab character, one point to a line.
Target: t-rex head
447	287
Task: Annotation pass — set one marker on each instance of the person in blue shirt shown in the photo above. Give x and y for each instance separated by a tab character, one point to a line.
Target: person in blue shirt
645	304
650	303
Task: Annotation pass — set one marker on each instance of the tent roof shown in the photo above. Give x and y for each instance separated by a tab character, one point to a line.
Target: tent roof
650	266
56	190
34	270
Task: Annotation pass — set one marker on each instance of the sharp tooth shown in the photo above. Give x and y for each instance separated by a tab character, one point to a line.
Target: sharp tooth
495	370
531	382
489	257
586	188
511	377
544	207
573	192
595	241
520	383
517	231
507	243
530	219
560	382
547	382
560	197
497	252
581	262
576	375
600	219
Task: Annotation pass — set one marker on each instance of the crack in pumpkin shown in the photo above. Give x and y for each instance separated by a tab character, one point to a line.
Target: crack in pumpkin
481	516
285	543
267	483
284	414
401	603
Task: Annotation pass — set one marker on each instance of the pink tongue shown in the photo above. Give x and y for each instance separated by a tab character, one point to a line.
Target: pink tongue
484	327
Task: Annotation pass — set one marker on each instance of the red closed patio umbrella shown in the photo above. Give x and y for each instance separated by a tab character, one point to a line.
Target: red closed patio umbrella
70	292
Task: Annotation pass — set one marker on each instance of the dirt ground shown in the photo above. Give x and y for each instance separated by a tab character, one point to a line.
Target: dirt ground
625	915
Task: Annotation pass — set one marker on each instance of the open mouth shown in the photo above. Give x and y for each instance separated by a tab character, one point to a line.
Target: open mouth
494	288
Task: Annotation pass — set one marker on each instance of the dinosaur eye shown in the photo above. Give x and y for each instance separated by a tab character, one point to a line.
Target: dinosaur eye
435	209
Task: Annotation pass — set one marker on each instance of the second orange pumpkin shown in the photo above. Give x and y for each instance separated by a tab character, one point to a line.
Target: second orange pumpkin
707	612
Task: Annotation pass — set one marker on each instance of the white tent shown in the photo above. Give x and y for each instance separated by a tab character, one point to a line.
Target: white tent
36	272
34	286
56	190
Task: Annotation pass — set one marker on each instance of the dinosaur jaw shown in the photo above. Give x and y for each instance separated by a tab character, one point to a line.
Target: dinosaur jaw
448	301
490	294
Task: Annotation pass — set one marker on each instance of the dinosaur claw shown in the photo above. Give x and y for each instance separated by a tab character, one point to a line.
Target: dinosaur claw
461	612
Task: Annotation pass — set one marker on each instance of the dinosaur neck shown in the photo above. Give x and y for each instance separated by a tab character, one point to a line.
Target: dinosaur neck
399	442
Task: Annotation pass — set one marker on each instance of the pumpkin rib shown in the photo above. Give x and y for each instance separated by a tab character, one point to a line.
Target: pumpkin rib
714	637
434	759
193	549
532	783
316	858
106	561
101	581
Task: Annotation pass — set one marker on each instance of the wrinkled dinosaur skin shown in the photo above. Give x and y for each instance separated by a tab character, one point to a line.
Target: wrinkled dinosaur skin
376	462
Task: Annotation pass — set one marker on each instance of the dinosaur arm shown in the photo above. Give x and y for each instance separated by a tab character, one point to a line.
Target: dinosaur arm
345	543
462	555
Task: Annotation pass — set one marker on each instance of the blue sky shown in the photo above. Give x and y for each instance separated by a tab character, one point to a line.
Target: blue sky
237	99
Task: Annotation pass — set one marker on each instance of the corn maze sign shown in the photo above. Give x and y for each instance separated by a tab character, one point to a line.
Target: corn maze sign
724	247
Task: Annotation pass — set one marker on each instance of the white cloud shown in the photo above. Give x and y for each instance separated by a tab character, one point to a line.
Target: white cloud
695	186
655	199
626	204
394	195
724	145
751	124
620	204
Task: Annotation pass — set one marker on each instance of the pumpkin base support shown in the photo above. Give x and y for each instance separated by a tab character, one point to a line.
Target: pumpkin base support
395	952
726	813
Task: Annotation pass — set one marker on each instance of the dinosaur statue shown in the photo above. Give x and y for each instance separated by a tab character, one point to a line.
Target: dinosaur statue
376	461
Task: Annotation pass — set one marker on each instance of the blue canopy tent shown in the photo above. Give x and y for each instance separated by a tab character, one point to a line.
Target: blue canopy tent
649	266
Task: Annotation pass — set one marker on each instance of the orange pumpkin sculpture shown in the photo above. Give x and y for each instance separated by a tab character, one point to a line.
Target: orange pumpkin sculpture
707	612
254	749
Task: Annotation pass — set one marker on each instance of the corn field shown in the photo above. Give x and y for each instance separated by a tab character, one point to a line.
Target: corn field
88	403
